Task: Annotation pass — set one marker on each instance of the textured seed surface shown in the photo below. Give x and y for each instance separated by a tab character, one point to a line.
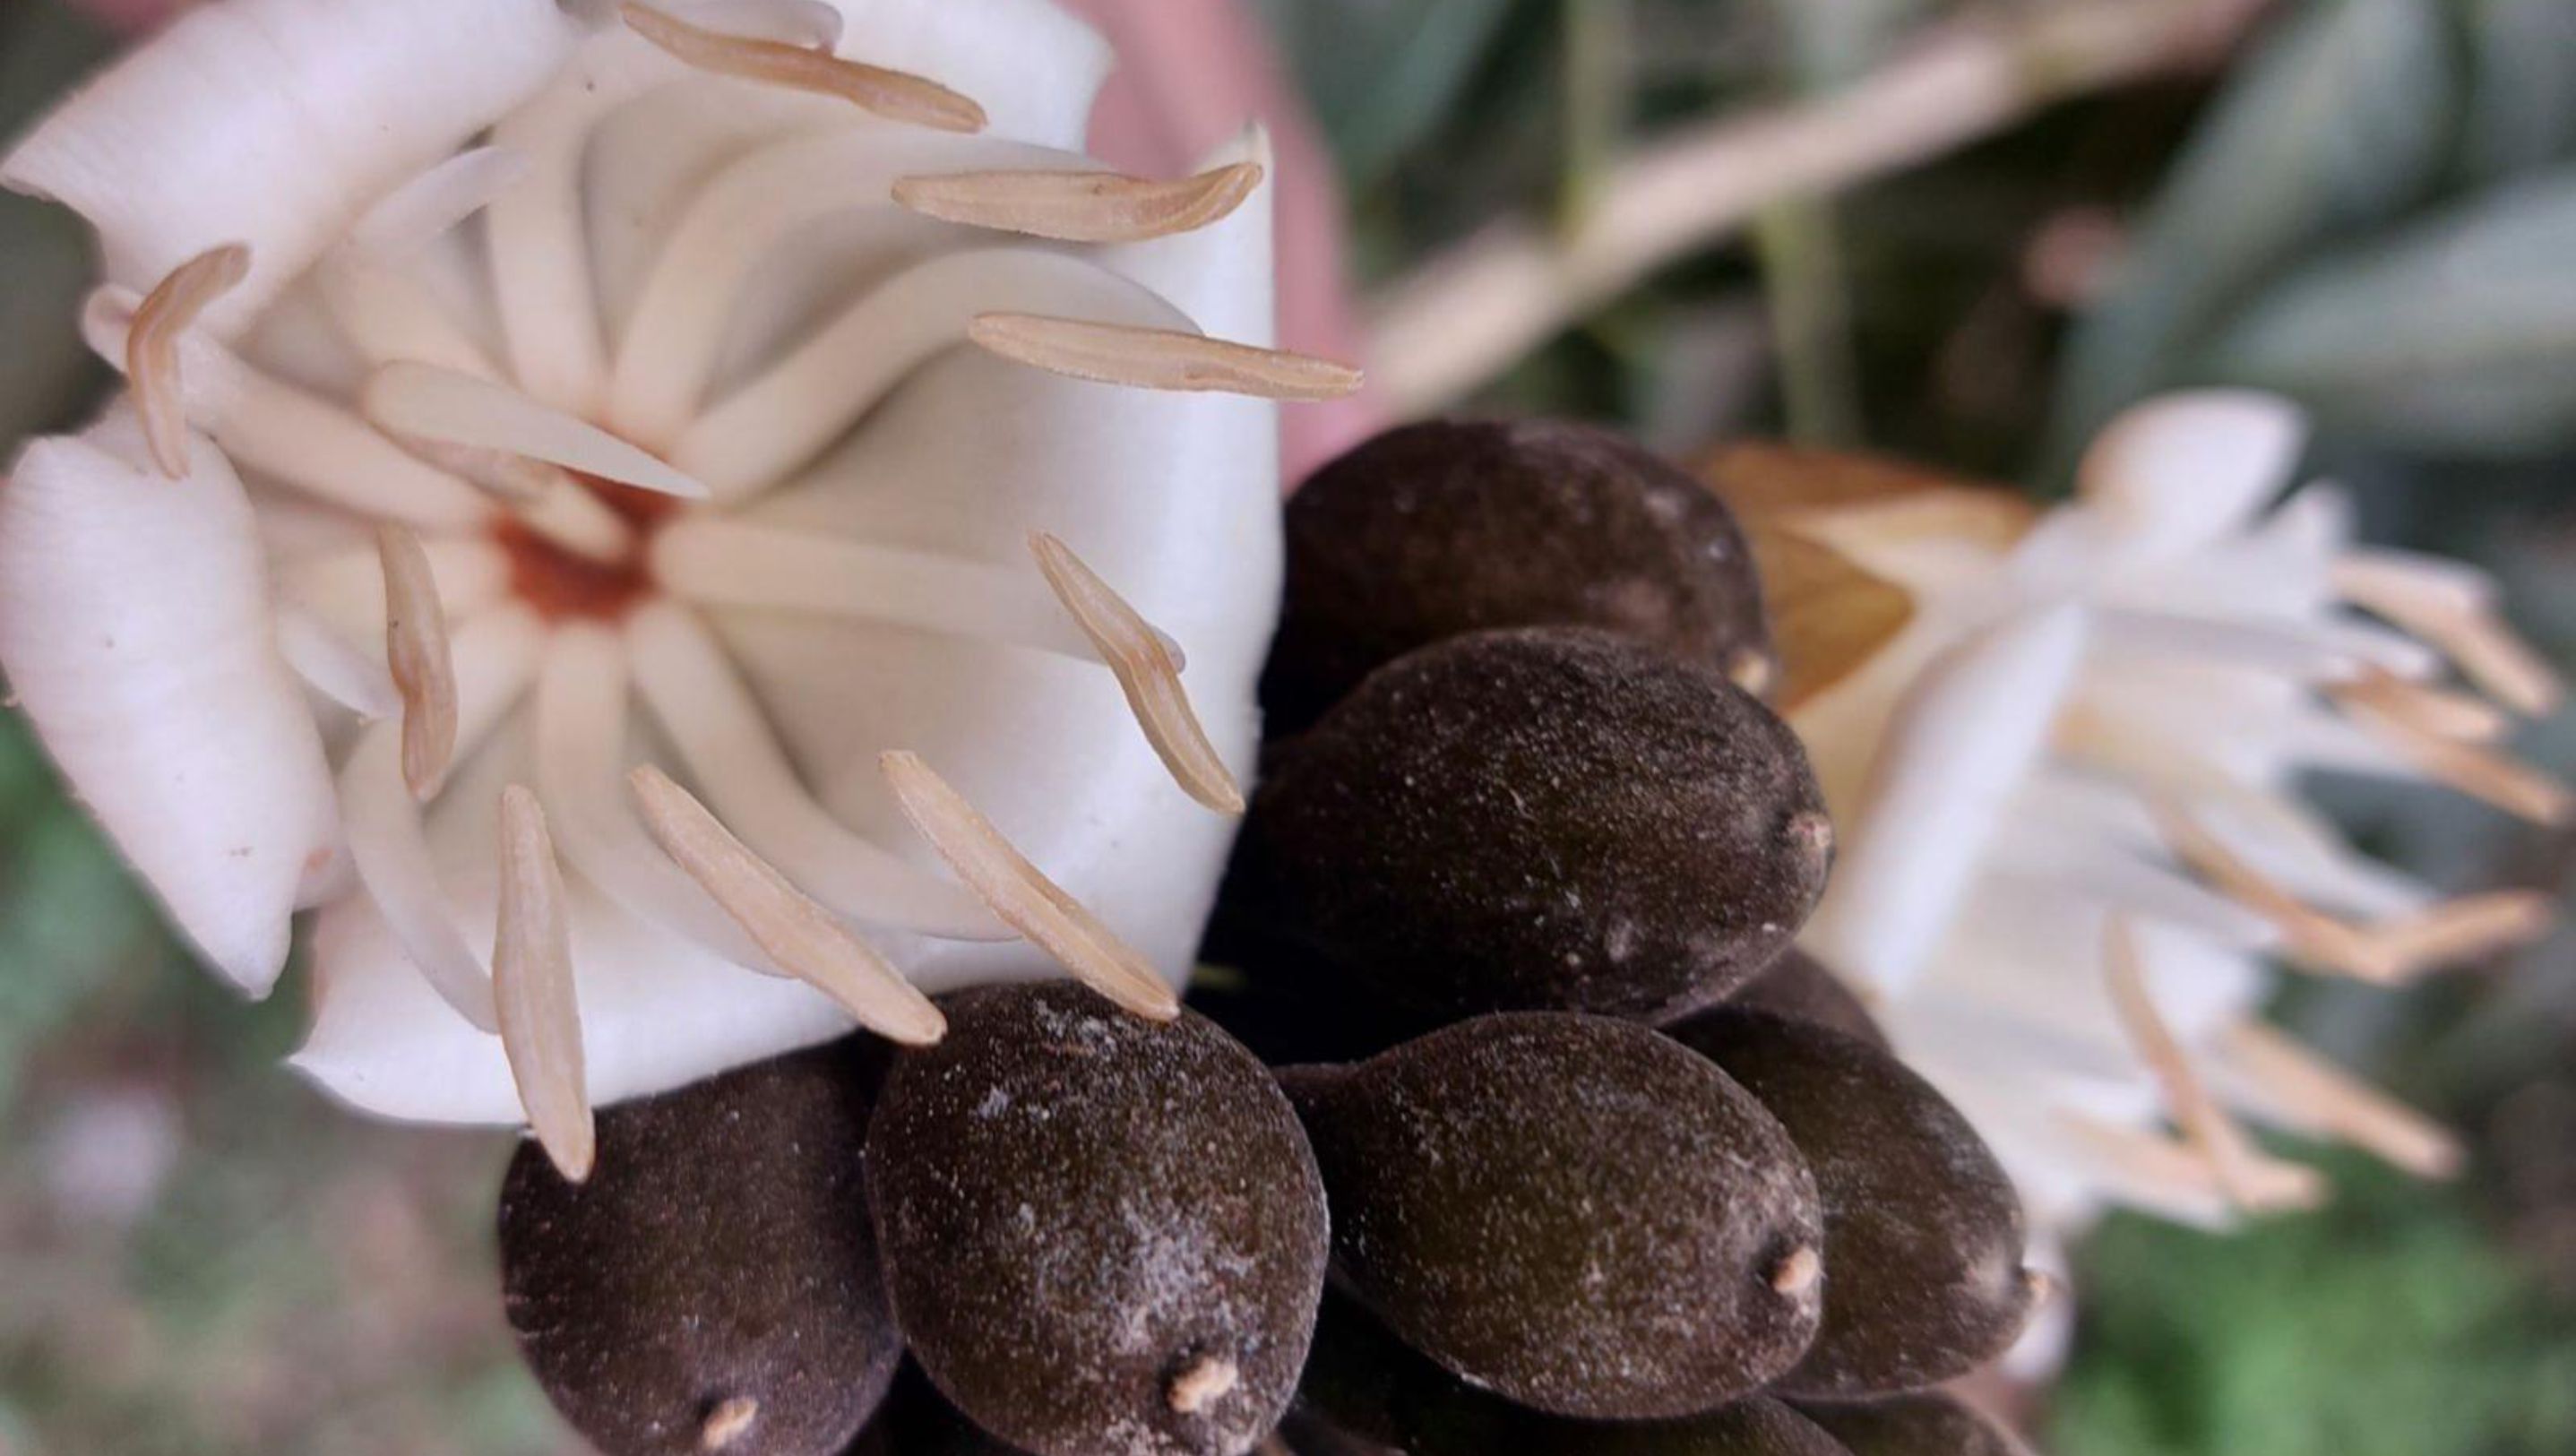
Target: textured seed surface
1544	819
1928	1424
1367	1394
1923	1233
718	1261
1086	1215
1569	1210
1799	987
1448	527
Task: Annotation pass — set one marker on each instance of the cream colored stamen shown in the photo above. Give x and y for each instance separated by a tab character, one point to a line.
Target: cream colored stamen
2390	952
1026	900
894	95
728	1423
532	988
2481	773
152	347
1081	207
1146	671
2438	712
1204	1384
2251	1180
424	667
801	936
2461	625
1798	1273
2323	1098
1159	358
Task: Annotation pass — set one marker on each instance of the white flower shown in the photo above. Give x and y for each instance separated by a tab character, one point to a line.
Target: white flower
564	391
2064	749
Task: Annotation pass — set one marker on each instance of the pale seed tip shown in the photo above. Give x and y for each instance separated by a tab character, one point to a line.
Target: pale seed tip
728	1423
1798	1272
1207	1381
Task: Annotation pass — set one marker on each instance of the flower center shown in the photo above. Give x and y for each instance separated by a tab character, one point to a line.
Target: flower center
563	585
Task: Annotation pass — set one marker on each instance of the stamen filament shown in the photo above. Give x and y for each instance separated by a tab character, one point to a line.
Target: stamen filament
1026	900
2424	708
894	95
532	985
1081	207
2250	1179
417	653
1167	359
152	347
2322	1098
2454	614
2482	773
799	934
1147	673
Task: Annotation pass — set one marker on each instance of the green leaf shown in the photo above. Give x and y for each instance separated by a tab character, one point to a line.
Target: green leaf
1383	73
2456	335
2340	121
2522	103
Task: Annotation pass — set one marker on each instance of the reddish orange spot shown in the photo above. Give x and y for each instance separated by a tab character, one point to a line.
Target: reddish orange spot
562	585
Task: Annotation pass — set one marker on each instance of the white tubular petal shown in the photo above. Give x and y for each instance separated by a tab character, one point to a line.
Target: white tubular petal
720	733
277	123
388	314
495	656
441	404
1148	673
656	1012
581	748
740	218
777	422
1219	275
533	989
717	562
1025	898
2189	468
1034	67
436	201
299	439
799	934
335	668
1955	752
135	631
534	238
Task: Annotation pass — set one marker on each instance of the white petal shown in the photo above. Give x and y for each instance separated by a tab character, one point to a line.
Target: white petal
1955	752
277	123
2188	468
656	1012
135	630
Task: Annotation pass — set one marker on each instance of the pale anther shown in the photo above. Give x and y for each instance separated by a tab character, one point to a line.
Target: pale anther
2481	773
1081	207
1026	900
2465	628
1147	672
801	936
894	95
532	987
152	347
2327	1099
424	667
1159	358
2434	710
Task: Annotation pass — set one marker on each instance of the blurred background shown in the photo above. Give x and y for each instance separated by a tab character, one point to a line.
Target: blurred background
1959	230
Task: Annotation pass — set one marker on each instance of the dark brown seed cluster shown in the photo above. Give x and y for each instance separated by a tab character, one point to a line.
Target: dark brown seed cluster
1448	527
1544	818
1597	1163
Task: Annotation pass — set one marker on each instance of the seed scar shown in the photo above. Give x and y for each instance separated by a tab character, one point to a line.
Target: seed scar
805	939
728	1423
152	347
1210	1379
1081	207
1164	359
894	95
1147	673
1024	899
423	665
532	988
1798	1272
